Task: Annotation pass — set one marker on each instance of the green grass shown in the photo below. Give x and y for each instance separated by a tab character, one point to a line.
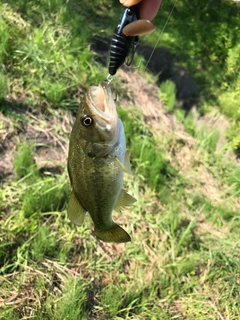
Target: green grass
168	94
182	262
23	160
48	59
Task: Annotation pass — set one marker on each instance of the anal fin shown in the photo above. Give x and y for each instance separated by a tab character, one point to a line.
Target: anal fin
125	199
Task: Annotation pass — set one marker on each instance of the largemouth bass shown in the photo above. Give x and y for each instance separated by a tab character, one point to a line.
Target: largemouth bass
97	161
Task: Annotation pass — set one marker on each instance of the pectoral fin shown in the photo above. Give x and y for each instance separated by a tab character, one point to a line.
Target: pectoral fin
127	164
76	212
124	200
126	167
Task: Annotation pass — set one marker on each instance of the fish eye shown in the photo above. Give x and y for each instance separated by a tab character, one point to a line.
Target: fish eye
86	121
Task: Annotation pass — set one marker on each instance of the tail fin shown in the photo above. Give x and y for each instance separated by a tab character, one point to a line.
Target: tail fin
114	234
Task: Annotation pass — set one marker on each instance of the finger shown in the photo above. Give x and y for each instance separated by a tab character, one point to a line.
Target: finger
148	9
129	3
138	28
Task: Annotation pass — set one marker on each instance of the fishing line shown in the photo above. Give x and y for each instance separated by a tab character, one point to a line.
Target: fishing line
164	27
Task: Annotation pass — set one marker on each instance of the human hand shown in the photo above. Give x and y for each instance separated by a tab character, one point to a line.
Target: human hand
147	8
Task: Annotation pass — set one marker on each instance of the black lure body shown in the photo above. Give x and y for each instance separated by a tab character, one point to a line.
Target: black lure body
122	44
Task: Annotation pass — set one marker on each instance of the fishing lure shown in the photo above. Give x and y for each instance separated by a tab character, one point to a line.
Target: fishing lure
125	38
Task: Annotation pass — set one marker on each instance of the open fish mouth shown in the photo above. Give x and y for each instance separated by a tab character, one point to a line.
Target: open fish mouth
101	101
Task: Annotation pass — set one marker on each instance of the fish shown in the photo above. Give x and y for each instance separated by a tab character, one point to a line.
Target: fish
97	161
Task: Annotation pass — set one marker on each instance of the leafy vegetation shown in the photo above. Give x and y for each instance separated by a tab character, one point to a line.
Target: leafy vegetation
206	42
168	94
183	260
